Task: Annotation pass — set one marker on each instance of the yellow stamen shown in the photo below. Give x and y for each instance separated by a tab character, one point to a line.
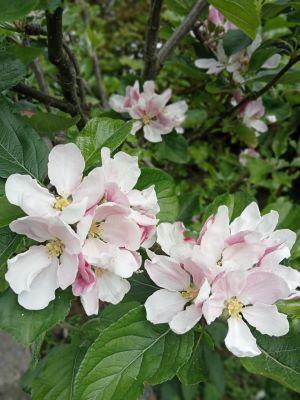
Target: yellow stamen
55	247
61	203
234	307
99	271
146	119
190	293
96	230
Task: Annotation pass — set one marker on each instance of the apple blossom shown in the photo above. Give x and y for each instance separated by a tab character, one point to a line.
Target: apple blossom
248	296
251	115
246	154
35	274
74	194
218	19
150	111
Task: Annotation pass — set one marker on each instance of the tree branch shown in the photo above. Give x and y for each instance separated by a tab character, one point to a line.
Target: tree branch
27	91
58	57
150	56
98	76
250	97
181	31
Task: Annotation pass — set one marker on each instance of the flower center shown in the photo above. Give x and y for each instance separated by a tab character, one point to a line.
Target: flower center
234	307
55	247
96	230
190	293
99	271
146	119
61	203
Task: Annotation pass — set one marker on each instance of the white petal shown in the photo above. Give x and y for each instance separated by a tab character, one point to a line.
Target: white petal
125	263
67	270
65	168
239	339
203	292
153	132
42	289
163	305
242	256
65	233
33	199
247	221
167	273
72	213
122	232
290	275
84	226
91	187
206	63
268	223
112	288
144	200
117	103
33	227
213	307
186	319
272	62
98	253
266	319
259	126
23	268
90	301
169	235
136	126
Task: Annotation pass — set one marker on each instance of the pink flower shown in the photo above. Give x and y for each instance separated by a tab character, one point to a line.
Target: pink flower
37	273
218	19
74	194
246	154
150	111
248	296
252	114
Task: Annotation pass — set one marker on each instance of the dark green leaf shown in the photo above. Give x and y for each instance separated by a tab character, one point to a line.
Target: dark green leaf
9	242
26	325
15	9
21	149
165	191
225	199
8	212
243	13
241	201
54	122
127	354
235	41
12	70
173	148
289	307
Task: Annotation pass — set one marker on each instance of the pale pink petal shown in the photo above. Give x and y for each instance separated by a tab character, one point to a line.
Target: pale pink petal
263	287
72	213
112	288
170	235
149	88
91	187
42	289
84	226
125	263
90	300
144	200
204	292
113	194
116	102
65	168
136	126
163	305
65	233
215	16
284	236
206	63
33	199
67	270
213	307
242	256
120	231
153	132
23	268
259	126
266	319
268	223
239	339
96	252
290	275
272	62
247	221
33	227
167	273
185	320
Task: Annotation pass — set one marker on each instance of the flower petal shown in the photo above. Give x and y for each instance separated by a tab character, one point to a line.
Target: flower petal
169	235
72	213
163	305
85	278
33	199
266	319
153	132
90	300
122	232
42	289
67	270
116	102
185	320
125	263
167	273
65	168
247	221
65	233
239	339
91	187
213	307
33	227
112	288
23	268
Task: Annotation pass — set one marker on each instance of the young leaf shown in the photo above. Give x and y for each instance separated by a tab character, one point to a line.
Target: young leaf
26	325
127	354
243	13
279	359
101	132
21	149
165	191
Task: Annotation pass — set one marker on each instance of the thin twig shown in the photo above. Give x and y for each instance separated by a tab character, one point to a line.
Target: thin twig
58	57
99	80
181	31
250	97
150	56
27	91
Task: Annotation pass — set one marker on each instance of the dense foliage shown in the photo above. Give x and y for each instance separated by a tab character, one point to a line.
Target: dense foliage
61	65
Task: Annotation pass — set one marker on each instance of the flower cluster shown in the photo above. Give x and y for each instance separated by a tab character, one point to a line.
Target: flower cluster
232	270
150	111
88	229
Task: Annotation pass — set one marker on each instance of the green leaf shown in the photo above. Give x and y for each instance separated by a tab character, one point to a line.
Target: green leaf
243	13
194	371
9	242
279	359
235	41
8	212
165	191
15	9
26	325
101	132
12	70
225	199
241	201
127	354
54	123
174	148
194	118
246	135
21	149
289	307
56	373
49	5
